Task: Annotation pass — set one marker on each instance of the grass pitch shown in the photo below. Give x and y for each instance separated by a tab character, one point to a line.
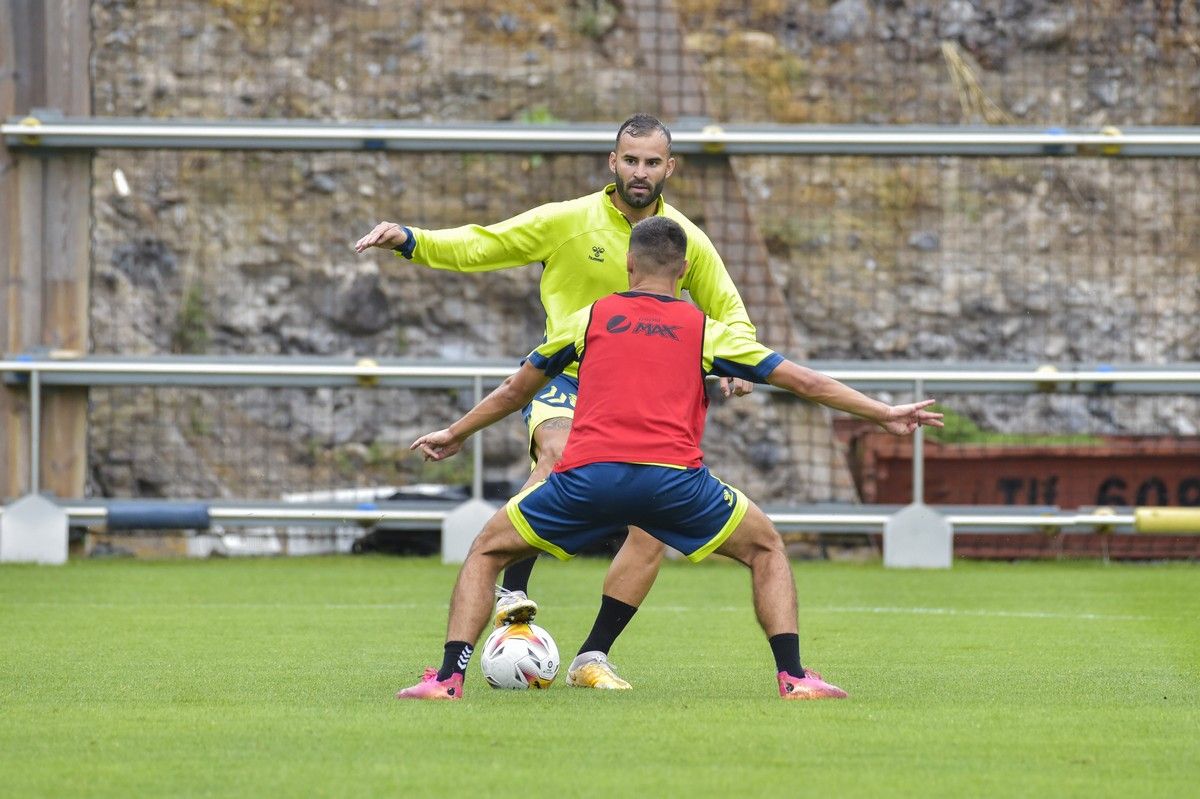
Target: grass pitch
275	677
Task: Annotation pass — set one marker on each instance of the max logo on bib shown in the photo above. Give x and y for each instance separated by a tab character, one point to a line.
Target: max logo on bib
657	329
621	324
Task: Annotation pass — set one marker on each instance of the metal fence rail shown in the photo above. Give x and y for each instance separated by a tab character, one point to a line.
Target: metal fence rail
351	522
38	371
429	515
51	132
1183	378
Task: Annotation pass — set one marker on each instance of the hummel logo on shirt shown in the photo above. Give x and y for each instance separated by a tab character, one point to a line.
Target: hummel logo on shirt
597	254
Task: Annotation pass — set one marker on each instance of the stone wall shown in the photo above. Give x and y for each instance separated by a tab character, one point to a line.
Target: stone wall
1029	260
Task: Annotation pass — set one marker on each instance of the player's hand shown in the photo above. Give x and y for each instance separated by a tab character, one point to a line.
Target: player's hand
735	387
904	419
437	446
385	234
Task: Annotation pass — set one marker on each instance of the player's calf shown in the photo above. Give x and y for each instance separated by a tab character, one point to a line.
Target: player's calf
634	568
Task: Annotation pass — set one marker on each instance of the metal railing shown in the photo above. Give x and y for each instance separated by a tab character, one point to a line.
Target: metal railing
367	514
430	516
36	372
47	129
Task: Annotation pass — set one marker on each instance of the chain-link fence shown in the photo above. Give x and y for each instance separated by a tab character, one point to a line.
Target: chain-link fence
938	259
997	449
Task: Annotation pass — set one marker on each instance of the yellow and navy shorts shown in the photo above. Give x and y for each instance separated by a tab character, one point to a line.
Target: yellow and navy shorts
555	401
688	509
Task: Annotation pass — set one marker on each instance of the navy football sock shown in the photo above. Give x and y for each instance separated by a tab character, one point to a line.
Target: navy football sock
516	576
455	659
786	648
610	622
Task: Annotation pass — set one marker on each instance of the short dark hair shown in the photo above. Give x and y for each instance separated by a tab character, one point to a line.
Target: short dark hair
658	245
643	125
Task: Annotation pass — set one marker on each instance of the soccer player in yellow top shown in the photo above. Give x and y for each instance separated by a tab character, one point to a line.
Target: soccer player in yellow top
583	244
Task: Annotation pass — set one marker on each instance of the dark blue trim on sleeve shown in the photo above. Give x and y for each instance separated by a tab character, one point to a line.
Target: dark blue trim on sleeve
410	244
755	374
555	364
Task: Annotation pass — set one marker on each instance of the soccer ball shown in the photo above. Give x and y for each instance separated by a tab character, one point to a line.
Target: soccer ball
519	656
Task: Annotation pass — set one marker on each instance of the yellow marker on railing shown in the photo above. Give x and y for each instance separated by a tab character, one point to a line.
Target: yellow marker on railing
713	132
1048	385
367	380
1110	149
31	140
1104	528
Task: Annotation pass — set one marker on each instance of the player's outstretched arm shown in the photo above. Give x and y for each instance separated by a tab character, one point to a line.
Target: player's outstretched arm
514	393
812	385
386	234
526	238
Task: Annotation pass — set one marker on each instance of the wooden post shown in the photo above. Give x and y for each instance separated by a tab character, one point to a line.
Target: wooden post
45	210
12	442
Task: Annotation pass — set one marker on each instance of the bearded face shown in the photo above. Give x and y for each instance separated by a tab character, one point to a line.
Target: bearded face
641	166
638	192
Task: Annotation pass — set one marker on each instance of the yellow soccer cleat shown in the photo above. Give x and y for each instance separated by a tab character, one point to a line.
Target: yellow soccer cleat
592	670
513	607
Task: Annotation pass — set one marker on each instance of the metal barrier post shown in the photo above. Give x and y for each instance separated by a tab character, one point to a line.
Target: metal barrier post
477	452
35	431
918	450
917	536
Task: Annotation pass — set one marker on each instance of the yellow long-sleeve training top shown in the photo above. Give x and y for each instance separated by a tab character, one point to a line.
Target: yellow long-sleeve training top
582	244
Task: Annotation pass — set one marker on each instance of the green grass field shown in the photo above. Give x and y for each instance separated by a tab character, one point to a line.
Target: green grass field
276	677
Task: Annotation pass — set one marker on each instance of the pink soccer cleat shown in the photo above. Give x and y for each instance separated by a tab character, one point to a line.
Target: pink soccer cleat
810	686
431	688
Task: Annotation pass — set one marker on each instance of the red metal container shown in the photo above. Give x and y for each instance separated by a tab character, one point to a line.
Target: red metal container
1113	471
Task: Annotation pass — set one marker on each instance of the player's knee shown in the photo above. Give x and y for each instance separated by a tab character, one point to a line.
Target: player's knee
768	547
757	549
644	545
491	543
550	438
542	468
547	457
550	453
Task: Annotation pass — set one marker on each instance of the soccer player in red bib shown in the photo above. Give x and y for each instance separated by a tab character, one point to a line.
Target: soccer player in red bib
633	456
582	246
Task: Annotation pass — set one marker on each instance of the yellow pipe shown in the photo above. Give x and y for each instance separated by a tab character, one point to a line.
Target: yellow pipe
1166	520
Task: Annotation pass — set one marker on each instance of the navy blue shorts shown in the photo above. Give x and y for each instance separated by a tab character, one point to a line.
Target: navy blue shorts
555	401
688	509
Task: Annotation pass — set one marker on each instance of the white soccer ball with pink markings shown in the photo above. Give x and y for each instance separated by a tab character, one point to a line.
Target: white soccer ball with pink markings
518	657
